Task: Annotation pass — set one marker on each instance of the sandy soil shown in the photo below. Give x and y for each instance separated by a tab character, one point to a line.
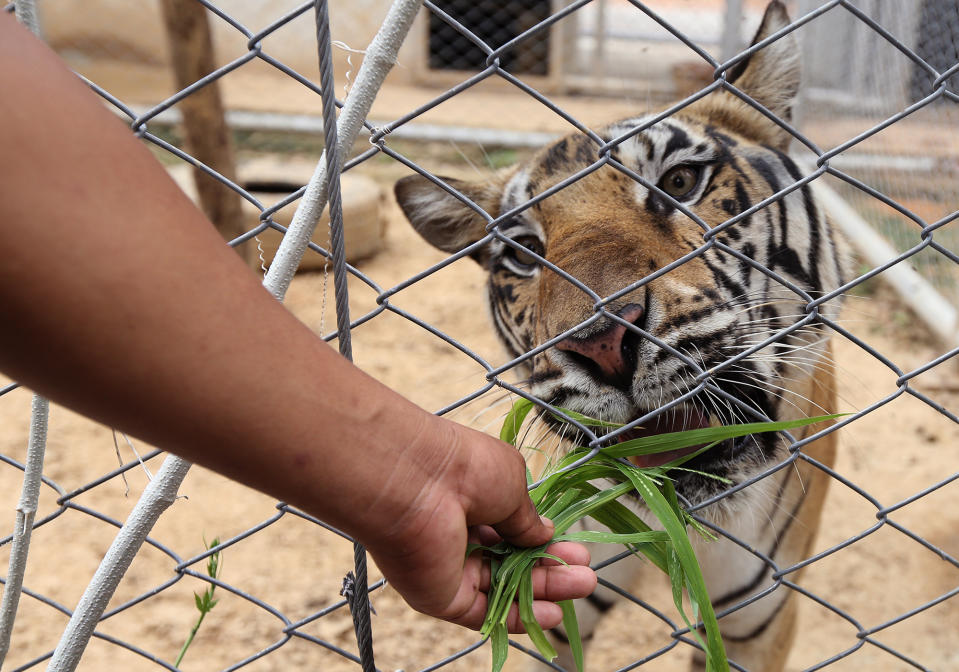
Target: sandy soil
296	568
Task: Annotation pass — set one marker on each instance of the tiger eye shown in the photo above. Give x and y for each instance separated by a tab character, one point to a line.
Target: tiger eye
680	181
531	243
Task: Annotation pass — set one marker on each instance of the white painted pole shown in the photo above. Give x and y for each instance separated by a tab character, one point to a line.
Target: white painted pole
159	494
26	511
26	13
379	60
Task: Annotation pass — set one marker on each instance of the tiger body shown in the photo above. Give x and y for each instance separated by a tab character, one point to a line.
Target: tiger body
641	309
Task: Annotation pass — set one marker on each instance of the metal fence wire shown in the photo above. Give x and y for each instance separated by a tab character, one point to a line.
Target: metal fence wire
898	610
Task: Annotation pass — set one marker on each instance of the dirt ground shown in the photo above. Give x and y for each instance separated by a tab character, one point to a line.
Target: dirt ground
296	569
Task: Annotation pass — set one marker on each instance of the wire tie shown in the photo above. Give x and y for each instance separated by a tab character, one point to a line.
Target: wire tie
347	591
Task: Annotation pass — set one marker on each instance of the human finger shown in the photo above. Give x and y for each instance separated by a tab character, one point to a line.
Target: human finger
547	614
570	552
494	488
559	583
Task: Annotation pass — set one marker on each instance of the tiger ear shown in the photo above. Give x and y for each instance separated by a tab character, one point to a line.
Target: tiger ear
771	75
443	220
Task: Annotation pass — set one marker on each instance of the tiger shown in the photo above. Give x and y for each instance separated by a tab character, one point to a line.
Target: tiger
611	257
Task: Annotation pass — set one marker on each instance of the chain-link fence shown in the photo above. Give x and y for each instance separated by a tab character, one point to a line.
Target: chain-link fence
879	582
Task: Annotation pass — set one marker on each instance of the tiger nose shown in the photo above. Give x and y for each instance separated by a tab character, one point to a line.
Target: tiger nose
605	348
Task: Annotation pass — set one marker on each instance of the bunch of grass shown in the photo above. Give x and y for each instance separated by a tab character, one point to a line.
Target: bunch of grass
566	495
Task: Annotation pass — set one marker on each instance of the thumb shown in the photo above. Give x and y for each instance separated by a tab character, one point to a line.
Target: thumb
499	497
525	527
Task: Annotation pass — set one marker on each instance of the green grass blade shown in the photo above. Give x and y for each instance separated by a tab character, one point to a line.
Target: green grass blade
683	459
505	584
703	531
504	587
661	443
695	584
514	420
583	508
621	520
526	616
563	502
499	639
599	537
501	548
676	580
704	474
554	484
669	493
550	556
583	478
571	626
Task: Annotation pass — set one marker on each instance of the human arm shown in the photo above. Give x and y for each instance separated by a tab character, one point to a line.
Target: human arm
121	301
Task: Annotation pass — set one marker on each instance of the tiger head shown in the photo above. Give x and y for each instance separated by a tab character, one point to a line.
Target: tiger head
638	256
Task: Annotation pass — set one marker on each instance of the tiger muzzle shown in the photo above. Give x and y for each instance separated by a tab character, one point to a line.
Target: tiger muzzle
608	354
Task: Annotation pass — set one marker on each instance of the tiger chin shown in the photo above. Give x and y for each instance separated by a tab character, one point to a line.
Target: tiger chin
725	328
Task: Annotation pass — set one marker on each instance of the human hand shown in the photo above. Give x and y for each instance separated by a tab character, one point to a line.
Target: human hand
473	491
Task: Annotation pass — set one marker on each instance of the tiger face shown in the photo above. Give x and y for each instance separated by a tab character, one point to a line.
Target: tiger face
670	289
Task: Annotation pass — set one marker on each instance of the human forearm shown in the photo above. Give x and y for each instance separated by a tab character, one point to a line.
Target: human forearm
163	332
121	301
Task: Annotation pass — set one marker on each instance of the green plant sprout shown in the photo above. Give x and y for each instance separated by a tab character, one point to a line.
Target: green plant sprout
568	495
204	602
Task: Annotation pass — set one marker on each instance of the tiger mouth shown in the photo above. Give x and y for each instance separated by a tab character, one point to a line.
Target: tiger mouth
667	423
678	420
